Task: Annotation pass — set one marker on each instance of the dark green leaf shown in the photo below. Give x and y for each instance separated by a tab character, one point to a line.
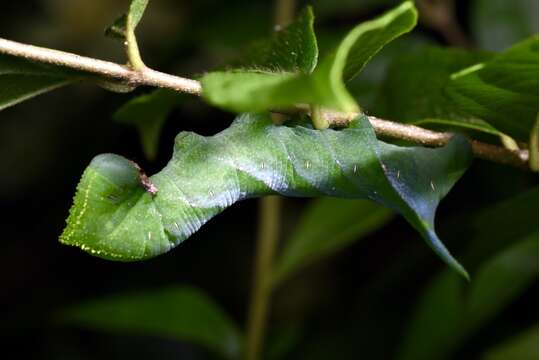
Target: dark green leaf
503	91
293	49
502	279
413	91
327	226
117	214
148	114
130	20
332	8
504	259
21	80
281	341
254	90
366	86
472	124
181	313
436	322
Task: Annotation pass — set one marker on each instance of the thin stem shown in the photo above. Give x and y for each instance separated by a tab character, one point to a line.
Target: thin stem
284	12
133	53
102	68
418	135
154	78
319	121
267	241
269	225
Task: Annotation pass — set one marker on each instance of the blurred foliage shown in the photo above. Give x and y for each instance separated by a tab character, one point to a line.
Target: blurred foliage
148	113
505	262
328	225
522	346
496	25
181	313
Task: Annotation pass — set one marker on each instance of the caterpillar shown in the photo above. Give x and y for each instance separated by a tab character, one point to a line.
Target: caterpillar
116	216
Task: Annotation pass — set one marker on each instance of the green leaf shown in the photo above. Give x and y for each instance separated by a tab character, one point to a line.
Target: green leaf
327	226
355	51
523	346
332	8
503	91
21	80
182	313
471	123
117	214
242	91
368	38
281	341
366	86
293	49
255	90
504	260
124	29
128	21
436	321
148	114
413	91
503	277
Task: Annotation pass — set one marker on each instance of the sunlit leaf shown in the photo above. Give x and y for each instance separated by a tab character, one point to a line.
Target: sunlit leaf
118	214
181	313
244	90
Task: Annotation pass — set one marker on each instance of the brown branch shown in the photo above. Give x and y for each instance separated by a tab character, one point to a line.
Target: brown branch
418	135
149	77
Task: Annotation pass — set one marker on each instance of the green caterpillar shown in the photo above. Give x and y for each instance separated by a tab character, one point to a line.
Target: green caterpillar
120	214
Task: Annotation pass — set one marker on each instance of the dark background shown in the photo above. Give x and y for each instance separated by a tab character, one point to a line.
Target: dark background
350	300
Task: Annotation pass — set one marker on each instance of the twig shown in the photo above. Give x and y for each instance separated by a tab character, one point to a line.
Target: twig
269	225
266	245
106	69
284	12
149	77
418	135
